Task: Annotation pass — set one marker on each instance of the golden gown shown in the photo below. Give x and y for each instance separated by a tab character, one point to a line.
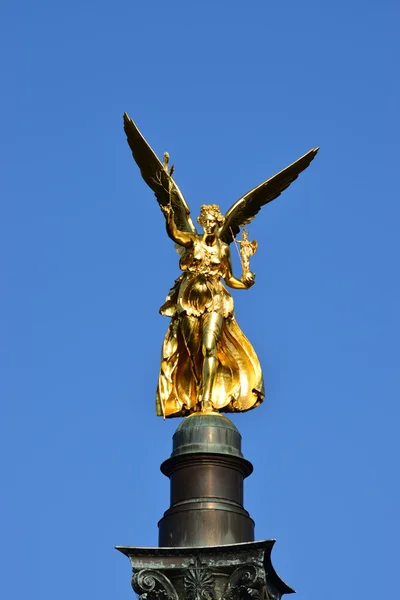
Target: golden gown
238	383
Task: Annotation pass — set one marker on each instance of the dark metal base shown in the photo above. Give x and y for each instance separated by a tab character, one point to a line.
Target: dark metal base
206	470
206	501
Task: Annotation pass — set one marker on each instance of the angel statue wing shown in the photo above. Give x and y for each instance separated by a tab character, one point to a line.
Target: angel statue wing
157	177
245	209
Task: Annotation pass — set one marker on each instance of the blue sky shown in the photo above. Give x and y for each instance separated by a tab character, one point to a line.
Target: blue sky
235	92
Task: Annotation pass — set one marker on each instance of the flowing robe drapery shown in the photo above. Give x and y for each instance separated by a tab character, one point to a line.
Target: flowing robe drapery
238	383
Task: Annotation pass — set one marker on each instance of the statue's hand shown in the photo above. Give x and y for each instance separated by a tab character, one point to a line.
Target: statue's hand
249	279
167	210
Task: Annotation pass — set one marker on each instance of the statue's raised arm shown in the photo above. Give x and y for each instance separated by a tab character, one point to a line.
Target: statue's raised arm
159	178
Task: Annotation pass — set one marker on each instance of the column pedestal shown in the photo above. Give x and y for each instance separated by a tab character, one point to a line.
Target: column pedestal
206	537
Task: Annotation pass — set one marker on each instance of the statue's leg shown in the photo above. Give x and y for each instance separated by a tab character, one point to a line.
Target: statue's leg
212	323
190	328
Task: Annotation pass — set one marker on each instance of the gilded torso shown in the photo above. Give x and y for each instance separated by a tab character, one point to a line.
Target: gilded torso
205	260
199	289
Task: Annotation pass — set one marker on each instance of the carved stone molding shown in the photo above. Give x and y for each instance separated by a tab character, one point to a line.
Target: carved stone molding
246	583
199	582
153	585
228	572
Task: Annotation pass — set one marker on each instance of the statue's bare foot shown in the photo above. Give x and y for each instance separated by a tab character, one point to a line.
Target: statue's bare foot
206	405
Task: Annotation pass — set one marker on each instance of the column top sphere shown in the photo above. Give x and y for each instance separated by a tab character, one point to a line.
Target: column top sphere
207	432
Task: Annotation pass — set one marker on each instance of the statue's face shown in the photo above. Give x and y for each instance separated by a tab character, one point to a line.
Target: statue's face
245	235
209	223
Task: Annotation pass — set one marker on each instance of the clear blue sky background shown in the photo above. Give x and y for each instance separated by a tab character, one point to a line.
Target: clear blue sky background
234	91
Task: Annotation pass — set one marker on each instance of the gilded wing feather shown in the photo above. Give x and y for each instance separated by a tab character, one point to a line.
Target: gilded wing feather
156	177
245	209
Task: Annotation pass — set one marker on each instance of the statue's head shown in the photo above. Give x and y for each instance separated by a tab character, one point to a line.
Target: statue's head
210	218
245	234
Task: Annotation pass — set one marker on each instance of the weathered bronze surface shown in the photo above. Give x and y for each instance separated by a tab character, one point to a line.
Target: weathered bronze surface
231	572
207	362
206	471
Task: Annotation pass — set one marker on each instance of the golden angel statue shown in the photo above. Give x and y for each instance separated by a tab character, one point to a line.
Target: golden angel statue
207	363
